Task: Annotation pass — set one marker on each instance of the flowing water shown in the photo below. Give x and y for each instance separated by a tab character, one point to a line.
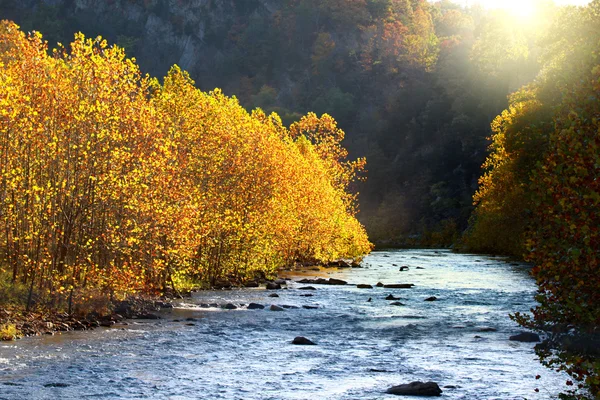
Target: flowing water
362	347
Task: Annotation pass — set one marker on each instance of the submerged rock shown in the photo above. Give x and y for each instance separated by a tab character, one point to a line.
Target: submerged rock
307	295
275	308
310	307
364	286
230	306
301	340
289	307
396	303
273	295
392	297
255	306
399	286
56	385
416	389
323	281
432	298
307	288
528	337
486	329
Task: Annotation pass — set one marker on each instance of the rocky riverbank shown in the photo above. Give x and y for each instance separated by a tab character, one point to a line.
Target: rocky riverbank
16	323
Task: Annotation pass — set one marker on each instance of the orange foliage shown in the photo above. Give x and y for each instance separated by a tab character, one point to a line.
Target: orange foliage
113	181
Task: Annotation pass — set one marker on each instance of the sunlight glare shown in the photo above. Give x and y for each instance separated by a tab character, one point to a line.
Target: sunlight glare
520	8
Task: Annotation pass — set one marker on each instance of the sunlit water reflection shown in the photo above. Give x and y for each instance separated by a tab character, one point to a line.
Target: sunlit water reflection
363	347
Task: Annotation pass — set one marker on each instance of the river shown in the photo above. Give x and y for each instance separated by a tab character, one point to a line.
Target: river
362	347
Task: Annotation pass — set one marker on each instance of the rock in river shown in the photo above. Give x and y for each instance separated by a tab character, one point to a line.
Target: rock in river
276	308
273	295
302	341
323	281
396	303
416	389
56	385
399	286
230	306
392	297
273	286
307	288
432	298
528	337
379	284
255	306
148	316
363	286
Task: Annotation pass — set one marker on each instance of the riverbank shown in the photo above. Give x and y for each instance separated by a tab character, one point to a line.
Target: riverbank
16	323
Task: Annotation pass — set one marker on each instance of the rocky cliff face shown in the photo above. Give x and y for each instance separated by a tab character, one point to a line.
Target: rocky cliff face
158	33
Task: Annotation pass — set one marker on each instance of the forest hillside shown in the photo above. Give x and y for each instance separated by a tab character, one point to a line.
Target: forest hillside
414	85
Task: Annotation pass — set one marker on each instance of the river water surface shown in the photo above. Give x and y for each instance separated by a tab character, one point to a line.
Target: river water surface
362	347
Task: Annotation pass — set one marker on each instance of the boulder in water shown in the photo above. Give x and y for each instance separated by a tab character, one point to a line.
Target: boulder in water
399	286
275	308
486	329
432	298
404	268
364	286
301	340
307	288
273	295
392	297
147	316
255	306
273	286
528	337
310	307
396	303
416	389
230	306
323	281
379	284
